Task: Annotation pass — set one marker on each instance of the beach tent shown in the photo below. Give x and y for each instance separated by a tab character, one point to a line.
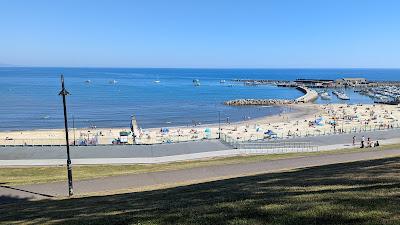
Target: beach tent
270	133
123	136
164	130
319	121
207	133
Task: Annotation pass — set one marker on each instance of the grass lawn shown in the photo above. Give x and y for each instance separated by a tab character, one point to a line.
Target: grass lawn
364	192
12	176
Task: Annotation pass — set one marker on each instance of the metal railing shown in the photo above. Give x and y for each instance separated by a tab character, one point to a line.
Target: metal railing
312	132
275	145
46	142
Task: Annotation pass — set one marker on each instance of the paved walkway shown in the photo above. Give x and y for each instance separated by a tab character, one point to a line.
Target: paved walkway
110	151
39	191
165	152
179	157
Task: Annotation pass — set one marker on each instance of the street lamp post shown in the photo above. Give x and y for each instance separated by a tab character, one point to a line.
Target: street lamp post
64	93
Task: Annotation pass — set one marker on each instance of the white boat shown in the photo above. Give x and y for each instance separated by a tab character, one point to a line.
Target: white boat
341	95
157	81
88	81
196	82
325	96
222	81
113	82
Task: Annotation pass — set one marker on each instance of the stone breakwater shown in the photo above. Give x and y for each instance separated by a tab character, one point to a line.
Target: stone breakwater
309	96
239	102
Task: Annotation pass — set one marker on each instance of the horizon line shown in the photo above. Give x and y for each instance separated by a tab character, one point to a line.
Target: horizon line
205	68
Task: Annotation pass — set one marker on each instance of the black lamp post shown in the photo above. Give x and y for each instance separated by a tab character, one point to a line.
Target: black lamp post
64	93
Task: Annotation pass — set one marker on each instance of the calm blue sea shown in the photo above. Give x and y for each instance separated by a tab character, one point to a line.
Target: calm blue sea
29	97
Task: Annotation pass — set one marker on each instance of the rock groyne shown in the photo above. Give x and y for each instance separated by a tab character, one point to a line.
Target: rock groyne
240	102
309	96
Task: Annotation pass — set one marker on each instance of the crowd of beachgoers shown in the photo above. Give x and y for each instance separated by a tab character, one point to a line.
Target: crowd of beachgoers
301	120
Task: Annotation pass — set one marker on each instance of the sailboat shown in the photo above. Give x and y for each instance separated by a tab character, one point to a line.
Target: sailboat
157	81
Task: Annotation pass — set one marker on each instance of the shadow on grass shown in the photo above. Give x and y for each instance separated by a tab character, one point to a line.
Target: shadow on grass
366	192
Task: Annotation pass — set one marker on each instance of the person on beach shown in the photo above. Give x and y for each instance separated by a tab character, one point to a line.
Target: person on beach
354	140
362	141
369	143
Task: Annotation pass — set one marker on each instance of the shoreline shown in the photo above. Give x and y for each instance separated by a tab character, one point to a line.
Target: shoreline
152	128
108	134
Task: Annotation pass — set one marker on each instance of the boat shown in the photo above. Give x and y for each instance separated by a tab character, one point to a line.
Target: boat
222	81
341	95
325	96
113	82
196	82
388	102
88	81
157	81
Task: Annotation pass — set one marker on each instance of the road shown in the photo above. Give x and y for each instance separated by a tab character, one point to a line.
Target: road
49	190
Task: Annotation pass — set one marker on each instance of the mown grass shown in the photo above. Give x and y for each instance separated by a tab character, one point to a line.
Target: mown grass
364	192
13	176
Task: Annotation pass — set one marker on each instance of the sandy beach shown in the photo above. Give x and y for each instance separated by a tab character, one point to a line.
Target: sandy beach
299	120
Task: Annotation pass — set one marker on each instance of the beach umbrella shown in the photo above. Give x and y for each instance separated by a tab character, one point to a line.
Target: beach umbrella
207	130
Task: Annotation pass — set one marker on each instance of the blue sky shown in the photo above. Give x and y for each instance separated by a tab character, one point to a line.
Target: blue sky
203	33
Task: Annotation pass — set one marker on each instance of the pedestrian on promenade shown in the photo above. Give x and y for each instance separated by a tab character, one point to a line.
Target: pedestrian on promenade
362	141
354	140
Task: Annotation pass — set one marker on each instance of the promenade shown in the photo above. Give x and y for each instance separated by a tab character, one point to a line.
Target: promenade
163	153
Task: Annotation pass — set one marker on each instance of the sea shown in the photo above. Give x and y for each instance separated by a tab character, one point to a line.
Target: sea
109	97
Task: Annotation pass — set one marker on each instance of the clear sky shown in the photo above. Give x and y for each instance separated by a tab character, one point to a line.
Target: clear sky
202	33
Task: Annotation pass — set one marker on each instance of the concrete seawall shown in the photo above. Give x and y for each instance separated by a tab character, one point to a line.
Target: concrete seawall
309	96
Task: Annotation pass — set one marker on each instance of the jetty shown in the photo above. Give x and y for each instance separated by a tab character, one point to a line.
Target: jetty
309	96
